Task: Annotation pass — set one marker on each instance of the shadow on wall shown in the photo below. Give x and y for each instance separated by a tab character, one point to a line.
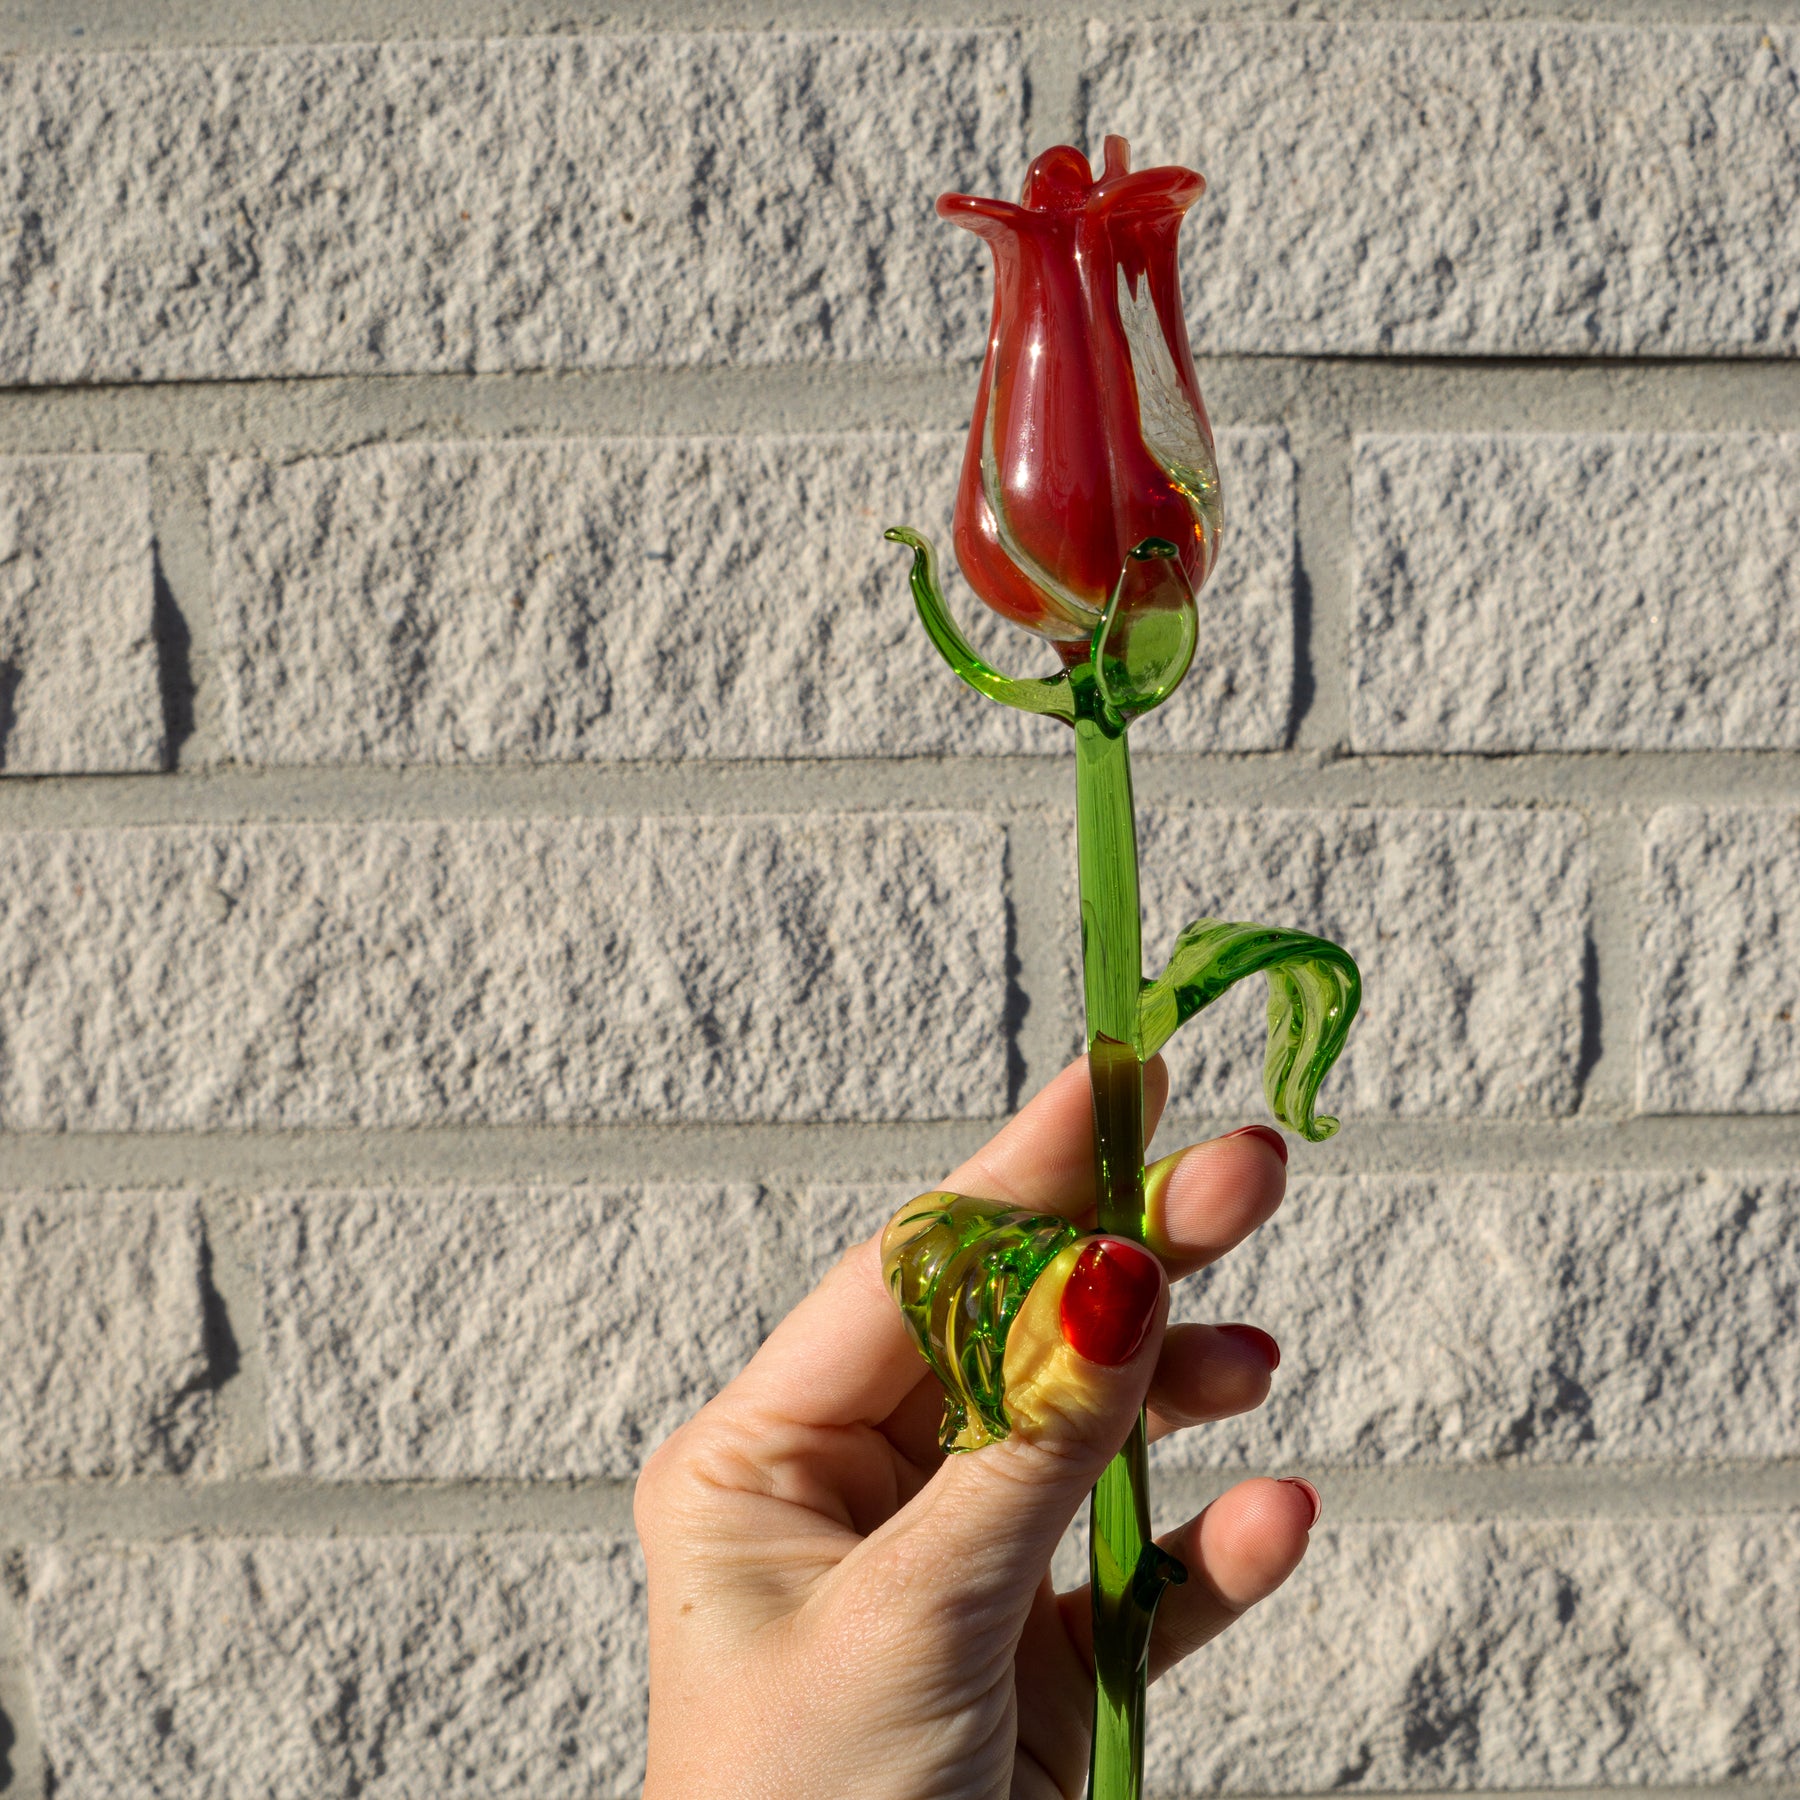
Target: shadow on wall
174	647
9	685
8	1737
1017	1005
1305	689
222	1354
1588	1053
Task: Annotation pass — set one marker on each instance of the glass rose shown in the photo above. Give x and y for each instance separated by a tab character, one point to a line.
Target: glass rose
1088	512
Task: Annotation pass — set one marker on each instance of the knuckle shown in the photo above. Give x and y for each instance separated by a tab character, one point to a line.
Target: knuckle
667	1473
1053	1455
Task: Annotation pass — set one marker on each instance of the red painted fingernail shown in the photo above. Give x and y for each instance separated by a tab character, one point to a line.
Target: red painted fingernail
1269	1136
1312	1497
1110	1300
1259	1341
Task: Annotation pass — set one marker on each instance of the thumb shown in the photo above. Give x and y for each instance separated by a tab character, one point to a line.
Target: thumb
1078	1363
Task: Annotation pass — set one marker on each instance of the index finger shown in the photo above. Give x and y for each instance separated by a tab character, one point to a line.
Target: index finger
1044	1160
843	1356
1201	1200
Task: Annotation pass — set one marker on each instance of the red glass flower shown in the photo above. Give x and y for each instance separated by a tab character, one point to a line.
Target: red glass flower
1089	433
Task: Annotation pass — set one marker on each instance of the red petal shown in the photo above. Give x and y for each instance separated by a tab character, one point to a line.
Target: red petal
1058	181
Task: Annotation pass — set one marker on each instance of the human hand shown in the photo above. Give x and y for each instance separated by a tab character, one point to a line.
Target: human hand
837	1609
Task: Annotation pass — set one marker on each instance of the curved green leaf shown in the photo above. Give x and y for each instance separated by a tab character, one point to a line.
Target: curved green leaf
1051	696
1314	991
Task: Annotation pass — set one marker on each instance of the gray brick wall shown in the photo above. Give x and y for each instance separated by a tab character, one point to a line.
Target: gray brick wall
495	891
79	685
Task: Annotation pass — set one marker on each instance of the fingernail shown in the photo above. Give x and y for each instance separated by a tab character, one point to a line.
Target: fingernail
1269	1136
1259	1341
1109	1300
1312	1497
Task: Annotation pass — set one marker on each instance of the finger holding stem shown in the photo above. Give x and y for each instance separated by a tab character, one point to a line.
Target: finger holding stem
1238	1551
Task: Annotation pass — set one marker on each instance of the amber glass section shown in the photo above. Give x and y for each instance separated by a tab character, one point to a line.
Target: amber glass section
960	1270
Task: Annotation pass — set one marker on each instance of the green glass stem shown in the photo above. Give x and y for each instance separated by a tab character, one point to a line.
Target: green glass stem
1128	1573
962	1258
1112	967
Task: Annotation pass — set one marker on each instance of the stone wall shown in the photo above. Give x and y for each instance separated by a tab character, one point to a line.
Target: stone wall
495	890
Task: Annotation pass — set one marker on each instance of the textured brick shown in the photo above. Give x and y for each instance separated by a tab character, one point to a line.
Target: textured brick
1409	1656
522	1334
515	204
79	688
1489	1318
841	1215
430	603
1469	928
398	973
20	1761
1544	1318
103	1354
387	1668
1720	974
1536	592
1474	189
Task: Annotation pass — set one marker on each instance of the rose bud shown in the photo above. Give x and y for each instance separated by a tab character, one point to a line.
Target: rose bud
1089	435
